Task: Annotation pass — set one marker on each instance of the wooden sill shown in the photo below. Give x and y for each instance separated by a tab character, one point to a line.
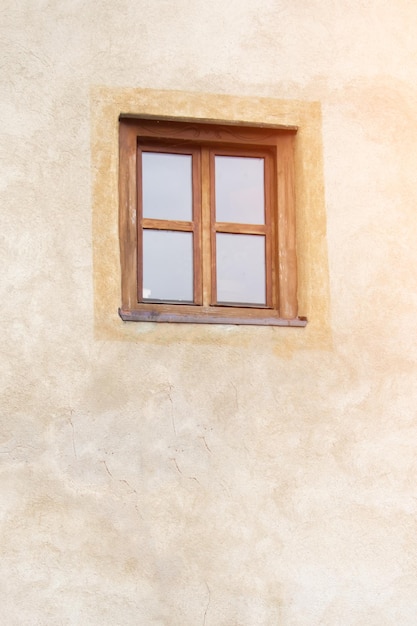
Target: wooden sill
208	317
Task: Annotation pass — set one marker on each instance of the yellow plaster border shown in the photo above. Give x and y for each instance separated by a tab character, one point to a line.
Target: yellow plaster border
106	106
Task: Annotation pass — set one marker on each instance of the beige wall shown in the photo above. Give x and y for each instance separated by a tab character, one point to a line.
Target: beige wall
157	475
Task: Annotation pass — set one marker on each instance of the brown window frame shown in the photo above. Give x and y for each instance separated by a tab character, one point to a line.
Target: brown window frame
204	140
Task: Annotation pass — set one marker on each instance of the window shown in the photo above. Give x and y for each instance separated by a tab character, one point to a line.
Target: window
207	228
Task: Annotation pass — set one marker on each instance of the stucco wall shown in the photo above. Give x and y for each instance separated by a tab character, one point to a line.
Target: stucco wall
172	475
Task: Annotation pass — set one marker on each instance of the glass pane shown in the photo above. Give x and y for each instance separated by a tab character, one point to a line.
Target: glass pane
167	186
240	194
167	265
241	268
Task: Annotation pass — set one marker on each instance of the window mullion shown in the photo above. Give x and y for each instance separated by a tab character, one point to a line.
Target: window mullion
206	248
197	226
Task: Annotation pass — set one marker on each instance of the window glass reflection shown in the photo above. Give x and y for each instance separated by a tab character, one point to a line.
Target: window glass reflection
241	268
167	265
167	186
239	190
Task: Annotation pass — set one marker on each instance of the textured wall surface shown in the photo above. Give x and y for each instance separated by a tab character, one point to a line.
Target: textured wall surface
171	476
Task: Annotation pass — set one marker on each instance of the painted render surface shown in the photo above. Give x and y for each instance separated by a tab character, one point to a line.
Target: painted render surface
180	475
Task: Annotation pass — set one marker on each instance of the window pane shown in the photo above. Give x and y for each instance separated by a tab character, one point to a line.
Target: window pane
241	268
167	265
167	186
239	183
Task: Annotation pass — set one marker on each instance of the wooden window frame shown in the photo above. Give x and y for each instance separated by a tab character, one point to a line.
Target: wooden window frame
204	140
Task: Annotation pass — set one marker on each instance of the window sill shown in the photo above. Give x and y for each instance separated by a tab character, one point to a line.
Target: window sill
256	318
